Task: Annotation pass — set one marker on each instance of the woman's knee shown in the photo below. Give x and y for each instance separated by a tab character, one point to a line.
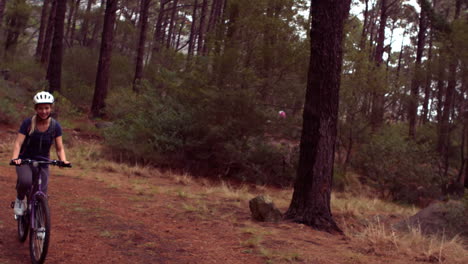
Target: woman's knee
24	173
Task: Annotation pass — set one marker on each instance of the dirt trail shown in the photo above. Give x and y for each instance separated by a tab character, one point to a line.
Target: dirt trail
95	223
110	217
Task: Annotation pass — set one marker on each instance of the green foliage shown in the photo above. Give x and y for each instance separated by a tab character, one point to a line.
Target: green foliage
64	107
8	112
457	213
79	74
25	72
399	168
16	15
186	122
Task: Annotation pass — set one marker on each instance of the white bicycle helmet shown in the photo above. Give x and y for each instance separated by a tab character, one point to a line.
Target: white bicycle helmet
43	98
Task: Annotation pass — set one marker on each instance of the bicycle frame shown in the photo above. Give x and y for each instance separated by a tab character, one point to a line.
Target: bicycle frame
33	194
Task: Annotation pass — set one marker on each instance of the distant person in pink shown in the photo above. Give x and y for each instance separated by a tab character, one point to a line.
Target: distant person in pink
282	114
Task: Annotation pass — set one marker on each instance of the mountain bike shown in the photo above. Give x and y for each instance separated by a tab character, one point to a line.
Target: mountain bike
36	218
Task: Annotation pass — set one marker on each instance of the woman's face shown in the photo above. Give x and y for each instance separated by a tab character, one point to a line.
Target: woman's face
43	110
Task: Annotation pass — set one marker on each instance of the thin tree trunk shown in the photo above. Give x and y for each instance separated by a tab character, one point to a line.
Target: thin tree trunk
93	42
54	71
141	44
171	24
428	84
73	27
202	28
158	33
312	191
444	125
71	13
441	75
42	28
192	32
364	27
49	34
378	98
415	82
85	25
179	34
102	77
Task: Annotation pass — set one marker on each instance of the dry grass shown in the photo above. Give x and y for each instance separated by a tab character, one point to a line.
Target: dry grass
379	239
372	234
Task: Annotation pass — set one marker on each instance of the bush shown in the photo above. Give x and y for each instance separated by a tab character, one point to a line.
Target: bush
187	123
399	168
8	112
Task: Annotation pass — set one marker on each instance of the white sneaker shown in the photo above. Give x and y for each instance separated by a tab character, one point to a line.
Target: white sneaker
20	207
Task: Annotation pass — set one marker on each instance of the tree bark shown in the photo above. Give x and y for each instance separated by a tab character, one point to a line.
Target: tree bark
54	71
49	34
102	76
42	28
416	81
312	190
141	43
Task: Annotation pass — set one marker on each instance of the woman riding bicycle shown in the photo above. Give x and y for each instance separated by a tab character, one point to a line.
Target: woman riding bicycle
35	137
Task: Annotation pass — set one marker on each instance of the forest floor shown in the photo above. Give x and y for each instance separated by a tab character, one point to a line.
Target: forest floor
112	214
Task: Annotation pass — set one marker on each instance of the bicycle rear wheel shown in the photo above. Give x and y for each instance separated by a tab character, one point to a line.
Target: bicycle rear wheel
39	235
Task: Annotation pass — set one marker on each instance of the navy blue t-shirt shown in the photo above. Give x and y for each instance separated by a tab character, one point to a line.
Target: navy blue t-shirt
37	145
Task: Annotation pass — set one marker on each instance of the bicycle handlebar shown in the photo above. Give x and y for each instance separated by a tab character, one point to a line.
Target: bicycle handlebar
35	163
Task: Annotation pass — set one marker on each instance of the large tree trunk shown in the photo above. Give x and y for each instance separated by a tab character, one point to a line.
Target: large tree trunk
312	191
54	71
102	77
42	28
49	34
141	43
415	82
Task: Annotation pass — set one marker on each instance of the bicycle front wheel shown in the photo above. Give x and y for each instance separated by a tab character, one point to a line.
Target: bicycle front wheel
23	227
39	235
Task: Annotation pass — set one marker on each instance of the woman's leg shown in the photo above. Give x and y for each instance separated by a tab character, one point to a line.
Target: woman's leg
24	182
45	179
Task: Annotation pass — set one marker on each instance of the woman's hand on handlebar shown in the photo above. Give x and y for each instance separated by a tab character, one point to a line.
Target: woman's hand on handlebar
65	163
16	162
